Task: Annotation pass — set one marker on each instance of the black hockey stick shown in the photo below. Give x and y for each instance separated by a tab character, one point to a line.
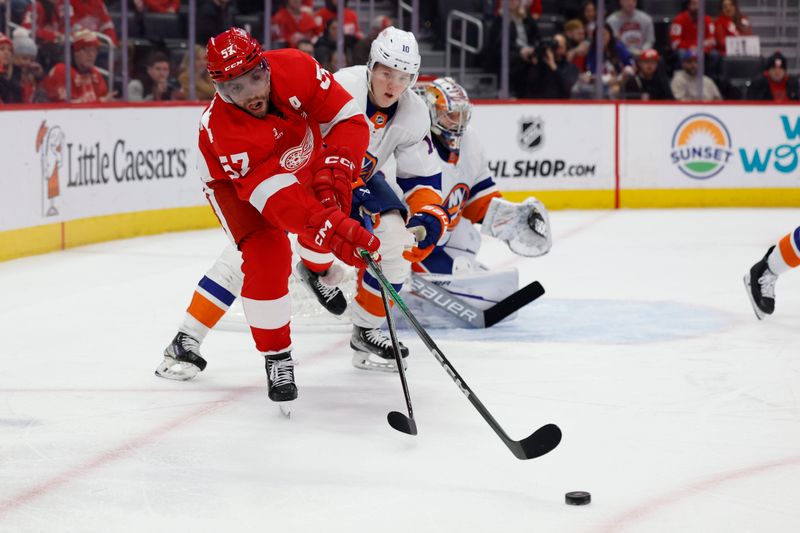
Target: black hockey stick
540	442
397	420
468	313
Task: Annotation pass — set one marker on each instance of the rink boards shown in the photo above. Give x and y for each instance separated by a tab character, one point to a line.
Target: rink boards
93	173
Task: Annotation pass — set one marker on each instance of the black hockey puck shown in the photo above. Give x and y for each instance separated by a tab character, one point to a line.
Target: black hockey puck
578	497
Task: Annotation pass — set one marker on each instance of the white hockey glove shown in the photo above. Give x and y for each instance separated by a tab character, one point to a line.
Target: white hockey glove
524	227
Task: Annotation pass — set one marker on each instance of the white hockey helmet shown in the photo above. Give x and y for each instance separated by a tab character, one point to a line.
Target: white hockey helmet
396	49
450	110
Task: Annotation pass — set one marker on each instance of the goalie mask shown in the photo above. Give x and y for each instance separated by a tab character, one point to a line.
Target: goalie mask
450	111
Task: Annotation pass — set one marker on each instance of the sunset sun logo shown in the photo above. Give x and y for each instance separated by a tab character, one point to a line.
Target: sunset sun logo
701	146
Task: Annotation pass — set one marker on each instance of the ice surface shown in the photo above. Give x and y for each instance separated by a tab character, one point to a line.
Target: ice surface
679	409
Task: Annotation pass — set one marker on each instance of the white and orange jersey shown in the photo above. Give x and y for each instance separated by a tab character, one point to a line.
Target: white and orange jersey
468	185
401	132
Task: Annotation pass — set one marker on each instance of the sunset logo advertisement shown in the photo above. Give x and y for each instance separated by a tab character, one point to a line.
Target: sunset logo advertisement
701	146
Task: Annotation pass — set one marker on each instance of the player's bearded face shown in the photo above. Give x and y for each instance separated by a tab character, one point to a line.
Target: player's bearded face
388	84
250	91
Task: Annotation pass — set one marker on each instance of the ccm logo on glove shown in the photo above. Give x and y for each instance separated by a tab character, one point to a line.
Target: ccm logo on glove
339	160
320	238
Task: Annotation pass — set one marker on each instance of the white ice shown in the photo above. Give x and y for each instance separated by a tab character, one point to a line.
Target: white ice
680	411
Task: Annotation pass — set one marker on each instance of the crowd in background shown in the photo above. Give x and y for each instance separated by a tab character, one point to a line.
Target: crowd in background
560	65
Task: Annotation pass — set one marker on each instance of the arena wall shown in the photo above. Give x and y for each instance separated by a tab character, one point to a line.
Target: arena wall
86	174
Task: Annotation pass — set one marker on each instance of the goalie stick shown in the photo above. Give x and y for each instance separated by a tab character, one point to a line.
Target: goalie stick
540	442
468	313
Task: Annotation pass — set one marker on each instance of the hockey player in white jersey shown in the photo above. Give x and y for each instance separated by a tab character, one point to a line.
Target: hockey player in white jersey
470	193
408	227
399	131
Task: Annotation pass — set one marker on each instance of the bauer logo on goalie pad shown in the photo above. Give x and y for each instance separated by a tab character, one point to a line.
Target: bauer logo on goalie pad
442	299
531	133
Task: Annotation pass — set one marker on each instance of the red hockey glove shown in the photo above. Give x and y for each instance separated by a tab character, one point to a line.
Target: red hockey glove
332	177
341	234
428	225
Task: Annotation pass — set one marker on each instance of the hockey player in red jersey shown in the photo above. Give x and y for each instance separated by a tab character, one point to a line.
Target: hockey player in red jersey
277	146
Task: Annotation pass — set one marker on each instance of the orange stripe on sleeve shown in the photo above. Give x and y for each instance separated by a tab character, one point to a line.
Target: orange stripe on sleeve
787	251
204	310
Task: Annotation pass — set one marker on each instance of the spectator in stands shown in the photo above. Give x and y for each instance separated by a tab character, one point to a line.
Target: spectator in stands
157	6
523	34
775	83
213	17
291	23
204	87
588	16
361	48
684	81
325	48
730	23
156	85
49	30
633	27
28	74
10	92
536	9
88	85
92	15
617	62
330	11
577	43
683	36
648	83
304	45
551	76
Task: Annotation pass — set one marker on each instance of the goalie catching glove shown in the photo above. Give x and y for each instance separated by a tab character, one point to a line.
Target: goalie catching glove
333	178
525	227
332	229
427	225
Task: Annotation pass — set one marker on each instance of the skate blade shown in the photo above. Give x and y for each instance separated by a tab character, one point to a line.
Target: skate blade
176	370
286	409
362	360
759	313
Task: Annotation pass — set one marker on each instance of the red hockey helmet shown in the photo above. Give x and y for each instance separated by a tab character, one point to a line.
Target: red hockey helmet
231	54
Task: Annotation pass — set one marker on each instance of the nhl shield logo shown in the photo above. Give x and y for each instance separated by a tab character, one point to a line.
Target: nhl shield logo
531	133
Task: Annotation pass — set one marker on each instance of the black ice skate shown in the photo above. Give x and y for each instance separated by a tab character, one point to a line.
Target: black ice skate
331	298
372	350
182	359
760	285
280	377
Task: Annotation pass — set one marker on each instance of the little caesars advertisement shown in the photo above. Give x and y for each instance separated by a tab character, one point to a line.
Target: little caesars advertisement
548	146
710	147
67	164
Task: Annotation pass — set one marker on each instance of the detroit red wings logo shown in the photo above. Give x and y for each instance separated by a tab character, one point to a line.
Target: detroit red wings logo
50	146
296	158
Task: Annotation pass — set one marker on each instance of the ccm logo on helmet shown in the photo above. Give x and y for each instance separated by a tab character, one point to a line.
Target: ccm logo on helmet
233	65
334	159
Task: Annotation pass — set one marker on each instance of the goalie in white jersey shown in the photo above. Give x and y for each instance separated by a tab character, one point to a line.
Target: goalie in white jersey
470	193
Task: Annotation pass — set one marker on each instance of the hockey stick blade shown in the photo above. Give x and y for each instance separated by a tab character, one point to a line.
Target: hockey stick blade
540	442
463	310
402	423
513	303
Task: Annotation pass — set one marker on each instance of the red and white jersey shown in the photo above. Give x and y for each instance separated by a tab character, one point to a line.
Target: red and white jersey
268	159
468	185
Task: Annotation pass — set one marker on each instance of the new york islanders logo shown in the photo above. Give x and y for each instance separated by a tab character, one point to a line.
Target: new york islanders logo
50	147
368	166
455	203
